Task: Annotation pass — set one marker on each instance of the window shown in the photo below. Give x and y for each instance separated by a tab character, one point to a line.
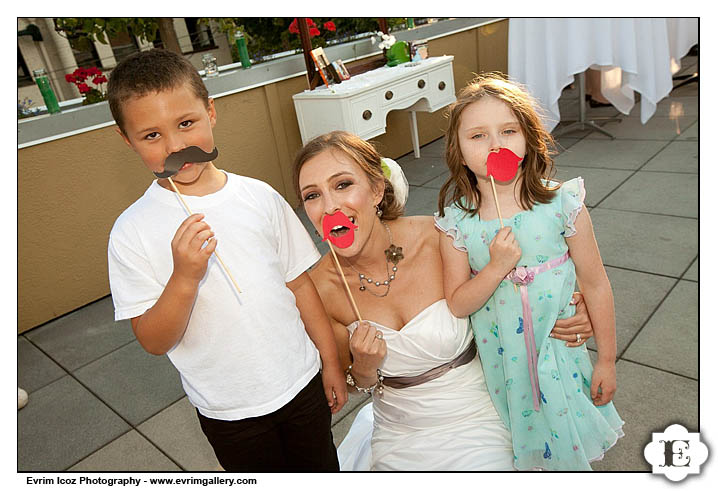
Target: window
199	34
85	54
23	74
123	45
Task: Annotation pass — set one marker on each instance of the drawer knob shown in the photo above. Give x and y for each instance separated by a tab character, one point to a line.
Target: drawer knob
366	115
389	94
442	85
421	83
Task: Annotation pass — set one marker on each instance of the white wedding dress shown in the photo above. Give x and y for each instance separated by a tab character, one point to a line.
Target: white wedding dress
445	424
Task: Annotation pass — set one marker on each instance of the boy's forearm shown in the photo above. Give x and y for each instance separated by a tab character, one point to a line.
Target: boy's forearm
164	324
472	295
316	321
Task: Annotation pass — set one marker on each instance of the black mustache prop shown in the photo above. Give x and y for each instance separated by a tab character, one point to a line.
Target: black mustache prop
175	161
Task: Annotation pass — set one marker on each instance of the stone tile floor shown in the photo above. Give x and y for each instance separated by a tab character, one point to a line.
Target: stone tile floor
98	402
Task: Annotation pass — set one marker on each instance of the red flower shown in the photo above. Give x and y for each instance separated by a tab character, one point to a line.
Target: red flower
70	78
83	88
100	79
313	31
329	26
293	27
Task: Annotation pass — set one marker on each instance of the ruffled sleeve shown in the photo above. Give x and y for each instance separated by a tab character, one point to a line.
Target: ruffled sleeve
572	195
448	225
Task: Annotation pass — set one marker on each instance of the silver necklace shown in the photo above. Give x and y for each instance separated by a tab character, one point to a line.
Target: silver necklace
393	255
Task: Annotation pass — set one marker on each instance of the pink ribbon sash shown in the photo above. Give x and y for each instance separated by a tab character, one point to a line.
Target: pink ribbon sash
524	276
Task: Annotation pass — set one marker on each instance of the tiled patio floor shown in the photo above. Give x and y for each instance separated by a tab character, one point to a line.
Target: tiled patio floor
98	402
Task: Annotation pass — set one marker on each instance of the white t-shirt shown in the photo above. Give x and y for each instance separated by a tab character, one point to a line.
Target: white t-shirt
242	355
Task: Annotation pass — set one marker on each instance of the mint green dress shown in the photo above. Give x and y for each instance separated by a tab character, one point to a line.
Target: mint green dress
568	431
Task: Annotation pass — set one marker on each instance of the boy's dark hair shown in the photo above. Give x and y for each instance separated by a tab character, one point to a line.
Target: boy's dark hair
147	72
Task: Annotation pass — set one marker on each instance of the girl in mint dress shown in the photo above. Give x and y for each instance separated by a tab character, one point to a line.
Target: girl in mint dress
515	281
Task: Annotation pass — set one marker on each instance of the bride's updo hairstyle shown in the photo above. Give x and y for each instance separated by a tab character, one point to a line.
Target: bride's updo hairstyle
361	152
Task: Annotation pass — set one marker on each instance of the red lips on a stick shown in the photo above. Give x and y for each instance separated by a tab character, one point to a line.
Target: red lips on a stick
502	165
342	242
338	219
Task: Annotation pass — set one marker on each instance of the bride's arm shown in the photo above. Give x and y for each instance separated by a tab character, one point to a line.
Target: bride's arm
363	351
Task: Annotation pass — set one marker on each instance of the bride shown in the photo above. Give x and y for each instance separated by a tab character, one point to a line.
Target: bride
431	409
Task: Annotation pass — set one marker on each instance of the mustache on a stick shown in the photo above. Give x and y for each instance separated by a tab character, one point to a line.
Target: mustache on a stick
175	161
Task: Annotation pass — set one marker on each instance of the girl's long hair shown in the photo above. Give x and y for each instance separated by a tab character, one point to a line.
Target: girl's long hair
461	187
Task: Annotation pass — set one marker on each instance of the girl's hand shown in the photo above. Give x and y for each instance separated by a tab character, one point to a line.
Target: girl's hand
579	323
367	349
603	382
505	251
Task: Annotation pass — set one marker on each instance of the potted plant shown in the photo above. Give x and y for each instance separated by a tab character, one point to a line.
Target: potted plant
81	77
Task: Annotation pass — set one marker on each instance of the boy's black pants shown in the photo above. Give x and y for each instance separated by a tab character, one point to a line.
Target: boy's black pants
294	438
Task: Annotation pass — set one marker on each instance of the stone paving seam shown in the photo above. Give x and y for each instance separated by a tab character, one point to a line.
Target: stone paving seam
49	357
104	355
653	273
98	449
663	370
633	174
146	437
158	412
650	316
647	212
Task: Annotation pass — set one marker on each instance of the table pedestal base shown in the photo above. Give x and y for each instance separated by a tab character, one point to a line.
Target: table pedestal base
582	123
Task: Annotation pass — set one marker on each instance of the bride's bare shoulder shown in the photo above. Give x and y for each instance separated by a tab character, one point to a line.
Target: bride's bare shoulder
418	226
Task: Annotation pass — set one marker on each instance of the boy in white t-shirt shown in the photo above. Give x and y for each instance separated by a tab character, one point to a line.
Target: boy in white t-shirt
248	361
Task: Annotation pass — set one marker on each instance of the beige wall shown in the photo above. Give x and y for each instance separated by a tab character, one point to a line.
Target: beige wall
71	190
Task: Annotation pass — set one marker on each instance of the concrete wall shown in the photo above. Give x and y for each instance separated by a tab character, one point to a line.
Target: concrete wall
71	190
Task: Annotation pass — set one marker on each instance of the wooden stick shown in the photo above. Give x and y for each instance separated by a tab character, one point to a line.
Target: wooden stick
496	200
224	266
341	272
498	210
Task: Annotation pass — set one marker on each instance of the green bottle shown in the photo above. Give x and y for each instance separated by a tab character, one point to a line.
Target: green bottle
242	48
46	90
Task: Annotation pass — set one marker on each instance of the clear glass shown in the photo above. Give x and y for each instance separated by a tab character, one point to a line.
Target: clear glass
210	65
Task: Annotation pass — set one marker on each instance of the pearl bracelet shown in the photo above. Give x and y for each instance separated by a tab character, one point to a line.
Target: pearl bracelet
378	385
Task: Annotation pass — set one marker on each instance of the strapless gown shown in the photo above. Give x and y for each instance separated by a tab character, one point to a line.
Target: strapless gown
446	424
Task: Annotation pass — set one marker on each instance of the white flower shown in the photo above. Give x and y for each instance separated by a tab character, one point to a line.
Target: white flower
387	40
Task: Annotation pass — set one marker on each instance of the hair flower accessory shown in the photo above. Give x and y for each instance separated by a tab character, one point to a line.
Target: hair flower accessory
395	174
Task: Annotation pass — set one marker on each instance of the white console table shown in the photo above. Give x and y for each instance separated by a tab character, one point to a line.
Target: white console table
360	105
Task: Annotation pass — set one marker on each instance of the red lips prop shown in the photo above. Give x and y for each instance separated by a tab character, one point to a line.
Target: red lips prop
503	164
331	221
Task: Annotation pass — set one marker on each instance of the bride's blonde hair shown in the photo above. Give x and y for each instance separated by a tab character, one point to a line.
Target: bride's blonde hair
361	152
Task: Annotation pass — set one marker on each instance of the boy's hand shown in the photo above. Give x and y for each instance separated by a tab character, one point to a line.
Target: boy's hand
505	251
189	257
335	387
603	382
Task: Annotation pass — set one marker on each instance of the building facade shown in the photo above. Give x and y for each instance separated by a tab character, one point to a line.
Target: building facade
39	45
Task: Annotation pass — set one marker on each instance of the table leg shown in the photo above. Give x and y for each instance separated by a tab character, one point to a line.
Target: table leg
582	123
414	134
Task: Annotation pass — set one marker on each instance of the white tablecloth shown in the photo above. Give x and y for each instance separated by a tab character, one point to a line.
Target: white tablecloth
633	55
